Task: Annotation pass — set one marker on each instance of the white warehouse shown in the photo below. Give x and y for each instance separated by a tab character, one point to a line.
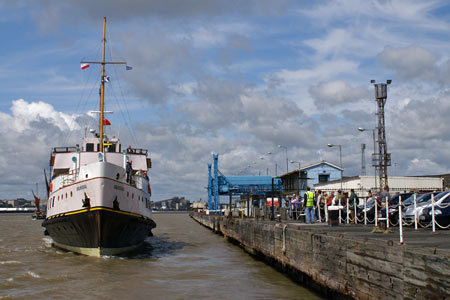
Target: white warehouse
397	184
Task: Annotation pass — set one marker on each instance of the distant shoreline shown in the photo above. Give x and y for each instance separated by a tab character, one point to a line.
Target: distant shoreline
170	211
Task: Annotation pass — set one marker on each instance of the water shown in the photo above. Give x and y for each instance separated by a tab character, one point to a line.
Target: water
183	260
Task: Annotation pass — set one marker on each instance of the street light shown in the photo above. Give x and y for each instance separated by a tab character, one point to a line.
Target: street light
293	162
287	160
262	158
276	165
340	160
361	129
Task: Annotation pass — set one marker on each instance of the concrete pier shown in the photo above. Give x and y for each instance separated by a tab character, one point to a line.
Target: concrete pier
346	262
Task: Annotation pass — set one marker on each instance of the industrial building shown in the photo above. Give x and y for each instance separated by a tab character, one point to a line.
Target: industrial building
295	182
397	184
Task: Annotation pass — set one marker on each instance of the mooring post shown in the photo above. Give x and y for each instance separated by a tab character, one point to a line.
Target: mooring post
415	212
400	222
230	212
272	217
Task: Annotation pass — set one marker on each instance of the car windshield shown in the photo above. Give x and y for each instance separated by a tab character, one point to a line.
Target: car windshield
370	202
425	197
395	198
439	196
410	200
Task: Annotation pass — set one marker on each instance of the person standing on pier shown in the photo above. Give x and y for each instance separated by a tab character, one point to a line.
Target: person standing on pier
352	202
385	194
309	211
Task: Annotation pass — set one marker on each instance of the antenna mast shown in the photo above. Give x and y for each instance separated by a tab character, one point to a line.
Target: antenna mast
382	159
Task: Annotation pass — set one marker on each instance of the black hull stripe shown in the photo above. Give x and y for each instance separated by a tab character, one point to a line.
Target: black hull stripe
99	229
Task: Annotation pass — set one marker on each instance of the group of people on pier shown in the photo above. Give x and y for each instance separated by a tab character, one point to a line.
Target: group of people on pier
314	205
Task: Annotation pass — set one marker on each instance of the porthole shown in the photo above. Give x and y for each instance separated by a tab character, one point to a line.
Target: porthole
128	194
58	197
87	175
132	195
71	194
66	195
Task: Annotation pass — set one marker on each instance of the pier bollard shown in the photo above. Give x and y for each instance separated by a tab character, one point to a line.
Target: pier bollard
376	212
348	213
365	211
415	212
387	212
432	213
318	213
400	221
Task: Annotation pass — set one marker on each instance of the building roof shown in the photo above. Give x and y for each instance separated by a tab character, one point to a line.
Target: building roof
310	166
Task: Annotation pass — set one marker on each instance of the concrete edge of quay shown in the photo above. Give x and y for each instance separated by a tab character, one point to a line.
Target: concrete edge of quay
336	266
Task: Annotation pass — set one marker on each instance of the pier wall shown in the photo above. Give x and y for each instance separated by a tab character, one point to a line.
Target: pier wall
338	266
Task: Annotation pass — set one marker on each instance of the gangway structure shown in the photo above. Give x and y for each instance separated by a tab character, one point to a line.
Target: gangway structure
219	184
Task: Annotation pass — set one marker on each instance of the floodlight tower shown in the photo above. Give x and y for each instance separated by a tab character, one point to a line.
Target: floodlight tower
382	159
363	160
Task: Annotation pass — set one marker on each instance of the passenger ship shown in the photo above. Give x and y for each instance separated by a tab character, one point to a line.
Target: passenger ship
95	207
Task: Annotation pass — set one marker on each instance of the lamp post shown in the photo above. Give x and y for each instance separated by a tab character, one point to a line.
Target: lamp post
340	160
299	175
276	165
361	129
287	160
293	162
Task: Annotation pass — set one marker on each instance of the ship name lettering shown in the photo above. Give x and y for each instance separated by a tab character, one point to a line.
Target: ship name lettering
117	187
81	187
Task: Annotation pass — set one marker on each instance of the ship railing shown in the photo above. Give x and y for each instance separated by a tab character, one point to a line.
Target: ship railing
140	180
70	178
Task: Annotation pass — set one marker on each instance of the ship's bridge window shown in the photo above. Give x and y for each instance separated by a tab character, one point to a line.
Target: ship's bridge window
90	147
57	172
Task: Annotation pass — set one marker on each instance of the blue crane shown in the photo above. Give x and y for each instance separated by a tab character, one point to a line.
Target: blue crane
219	184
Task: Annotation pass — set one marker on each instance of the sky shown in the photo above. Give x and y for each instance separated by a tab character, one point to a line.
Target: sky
237	78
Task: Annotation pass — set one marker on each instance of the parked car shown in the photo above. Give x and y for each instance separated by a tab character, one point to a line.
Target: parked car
393	206
419	198
369	208
409	212
441	211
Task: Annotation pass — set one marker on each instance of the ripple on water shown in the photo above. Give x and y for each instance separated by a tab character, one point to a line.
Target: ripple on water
10	262
32	274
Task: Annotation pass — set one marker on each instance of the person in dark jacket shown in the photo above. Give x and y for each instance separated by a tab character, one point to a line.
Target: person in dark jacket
129	168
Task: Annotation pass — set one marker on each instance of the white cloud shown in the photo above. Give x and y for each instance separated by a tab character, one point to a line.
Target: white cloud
409	62
322	71
24	113
27	133
336	92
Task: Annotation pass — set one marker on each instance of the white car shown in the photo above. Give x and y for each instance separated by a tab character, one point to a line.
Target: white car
409	213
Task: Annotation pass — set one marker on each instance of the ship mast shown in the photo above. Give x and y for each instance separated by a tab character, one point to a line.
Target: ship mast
102	86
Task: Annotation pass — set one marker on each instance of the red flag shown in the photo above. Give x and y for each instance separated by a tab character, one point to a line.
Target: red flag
106	122
84	66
